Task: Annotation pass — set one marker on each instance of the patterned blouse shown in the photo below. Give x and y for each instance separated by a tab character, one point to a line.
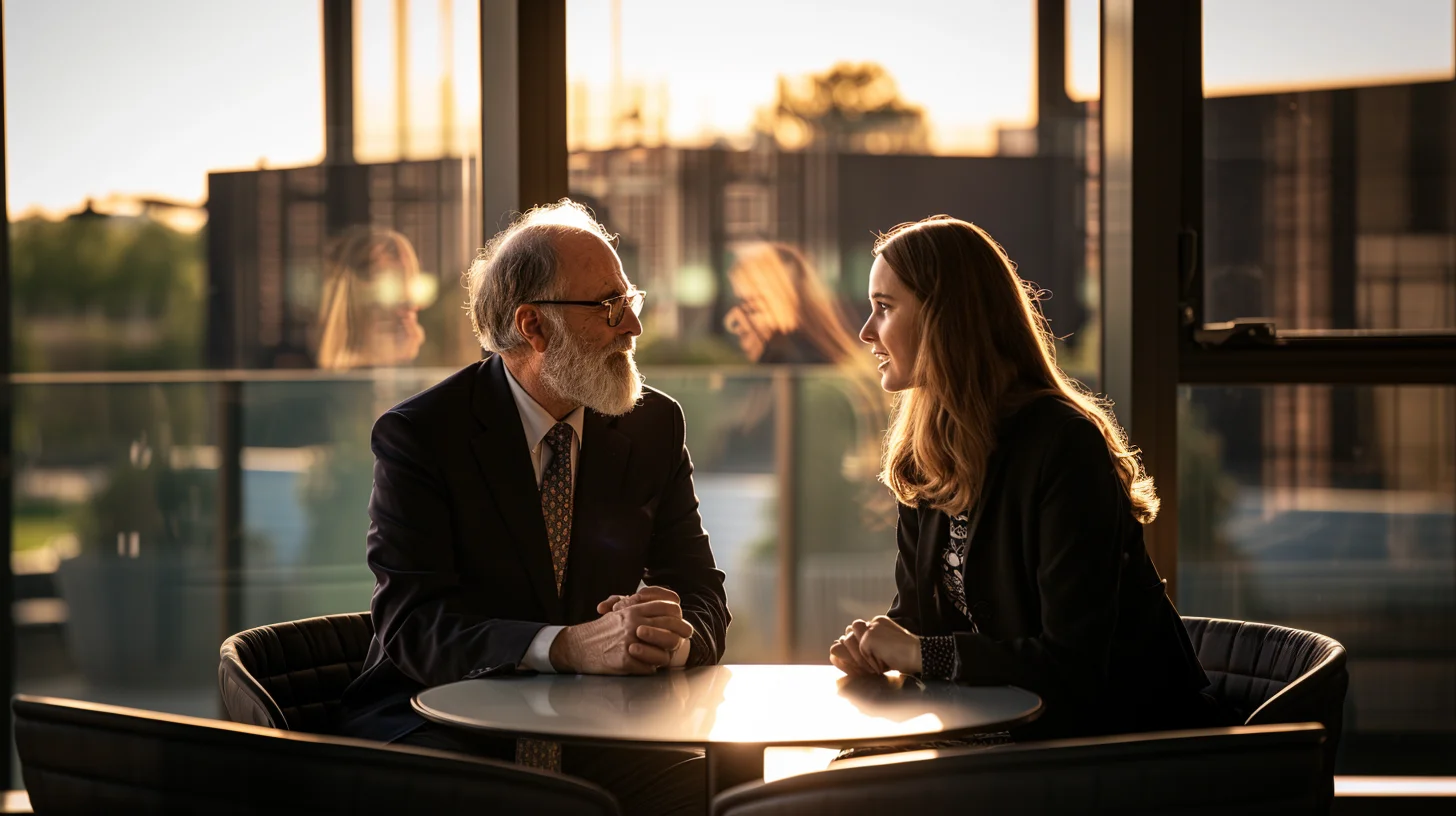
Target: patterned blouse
938	657
937	652
952	565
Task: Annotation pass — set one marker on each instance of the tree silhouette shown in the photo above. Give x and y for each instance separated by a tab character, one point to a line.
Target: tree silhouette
851	108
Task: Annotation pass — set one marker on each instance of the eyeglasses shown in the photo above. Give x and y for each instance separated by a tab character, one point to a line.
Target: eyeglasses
616	307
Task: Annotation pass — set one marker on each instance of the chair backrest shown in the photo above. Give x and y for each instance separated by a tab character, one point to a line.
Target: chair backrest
1274	674
83	758
292	675
1246	770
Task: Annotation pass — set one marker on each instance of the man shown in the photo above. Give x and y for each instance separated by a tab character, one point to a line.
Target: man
518	504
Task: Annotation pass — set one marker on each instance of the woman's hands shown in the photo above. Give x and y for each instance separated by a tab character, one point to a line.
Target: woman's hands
875	647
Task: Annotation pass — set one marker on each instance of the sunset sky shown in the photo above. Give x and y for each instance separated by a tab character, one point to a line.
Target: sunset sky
144	97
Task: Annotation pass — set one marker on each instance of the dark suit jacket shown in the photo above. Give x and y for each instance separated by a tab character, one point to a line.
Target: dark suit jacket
1067	601
458	547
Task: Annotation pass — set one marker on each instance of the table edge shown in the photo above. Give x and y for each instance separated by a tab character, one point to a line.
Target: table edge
439	718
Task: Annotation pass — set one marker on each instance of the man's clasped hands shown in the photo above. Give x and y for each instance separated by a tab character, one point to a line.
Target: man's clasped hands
636	634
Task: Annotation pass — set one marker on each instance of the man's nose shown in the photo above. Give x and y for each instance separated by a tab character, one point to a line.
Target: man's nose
631	324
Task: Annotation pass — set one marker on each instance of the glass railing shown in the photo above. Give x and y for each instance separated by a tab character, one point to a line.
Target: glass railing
157	513
143	537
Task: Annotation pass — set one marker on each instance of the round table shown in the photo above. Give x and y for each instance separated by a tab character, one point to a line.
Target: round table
732	712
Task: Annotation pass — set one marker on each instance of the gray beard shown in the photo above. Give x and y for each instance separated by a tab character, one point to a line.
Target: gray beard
607	382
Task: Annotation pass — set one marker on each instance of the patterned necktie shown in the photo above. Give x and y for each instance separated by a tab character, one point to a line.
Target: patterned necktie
556	504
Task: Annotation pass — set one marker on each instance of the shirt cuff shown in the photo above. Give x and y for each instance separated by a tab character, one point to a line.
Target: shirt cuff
937	657
680	657
538	654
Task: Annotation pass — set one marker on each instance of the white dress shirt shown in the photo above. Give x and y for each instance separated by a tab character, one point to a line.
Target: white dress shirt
537	422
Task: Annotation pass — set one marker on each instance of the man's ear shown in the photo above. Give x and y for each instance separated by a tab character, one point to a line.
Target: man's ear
532	327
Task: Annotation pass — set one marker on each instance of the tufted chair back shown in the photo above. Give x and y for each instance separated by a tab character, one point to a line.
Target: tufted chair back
292	675
1273	674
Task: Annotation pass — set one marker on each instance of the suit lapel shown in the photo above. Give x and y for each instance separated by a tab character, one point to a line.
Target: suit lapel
601	468
934	533
500	451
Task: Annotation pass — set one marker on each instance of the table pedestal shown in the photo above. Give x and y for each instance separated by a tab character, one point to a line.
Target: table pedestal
732	764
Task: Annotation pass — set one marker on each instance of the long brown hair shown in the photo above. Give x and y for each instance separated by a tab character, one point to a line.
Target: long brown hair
784	295
985	349
351	264
787	296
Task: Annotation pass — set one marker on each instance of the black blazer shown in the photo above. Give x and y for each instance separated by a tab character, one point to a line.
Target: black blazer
1056	577
458	547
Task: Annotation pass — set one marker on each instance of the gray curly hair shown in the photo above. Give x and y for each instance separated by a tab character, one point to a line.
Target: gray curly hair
518	266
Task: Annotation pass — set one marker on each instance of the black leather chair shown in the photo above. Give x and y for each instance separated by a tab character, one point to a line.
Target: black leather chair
1246	770
83	758
292	675
1274	674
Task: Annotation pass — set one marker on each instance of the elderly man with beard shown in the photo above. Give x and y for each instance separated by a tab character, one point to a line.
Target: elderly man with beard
535	512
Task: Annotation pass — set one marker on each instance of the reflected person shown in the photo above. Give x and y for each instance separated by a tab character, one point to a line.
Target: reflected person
1021	505
518	504
372	293
785	314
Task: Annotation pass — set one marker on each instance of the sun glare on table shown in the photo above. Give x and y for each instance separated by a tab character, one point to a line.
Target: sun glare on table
769	703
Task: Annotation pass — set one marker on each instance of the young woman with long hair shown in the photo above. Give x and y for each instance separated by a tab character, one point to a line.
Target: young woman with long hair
372	293
1021	557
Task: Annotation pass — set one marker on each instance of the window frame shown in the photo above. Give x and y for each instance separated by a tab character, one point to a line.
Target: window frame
7	460
1338	356
1157	342
1155	339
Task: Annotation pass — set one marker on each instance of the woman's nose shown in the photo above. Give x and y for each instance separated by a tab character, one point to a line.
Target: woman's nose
866	334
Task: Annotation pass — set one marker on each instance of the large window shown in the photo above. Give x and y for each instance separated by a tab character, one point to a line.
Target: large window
748	157
237	233
1329	172
1330	148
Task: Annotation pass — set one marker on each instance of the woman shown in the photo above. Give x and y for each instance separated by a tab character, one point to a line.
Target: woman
1021	557
373	291
785	314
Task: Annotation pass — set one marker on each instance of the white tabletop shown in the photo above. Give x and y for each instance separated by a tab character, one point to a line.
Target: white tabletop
763	704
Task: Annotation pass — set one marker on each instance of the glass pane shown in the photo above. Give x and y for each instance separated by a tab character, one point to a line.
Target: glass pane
203	194
763	160
118	591
844	520
187	195
1328	164
1334	510
307	473
730	435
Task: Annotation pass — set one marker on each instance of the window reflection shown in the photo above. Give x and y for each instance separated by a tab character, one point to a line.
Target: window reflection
784	312
1334	510
238	231
748	202
372	295
1328	165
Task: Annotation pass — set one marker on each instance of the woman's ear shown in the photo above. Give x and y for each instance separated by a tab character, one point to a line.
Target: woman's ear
532	327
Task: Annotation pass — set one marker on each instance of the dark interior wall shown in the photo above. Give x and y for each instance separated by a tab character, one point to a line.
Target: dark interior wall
1009	197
